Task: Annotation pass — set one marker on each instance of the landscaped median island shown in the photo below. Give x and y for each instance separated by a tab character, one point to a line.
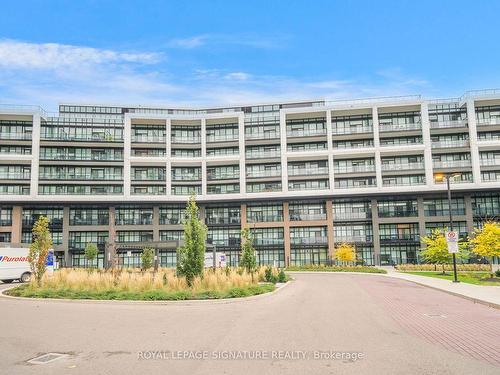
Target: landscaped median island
477	278
163	285
333	268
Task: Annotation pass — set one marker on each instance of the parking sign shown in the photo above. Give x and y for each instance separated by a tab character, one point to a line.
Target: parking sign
452	241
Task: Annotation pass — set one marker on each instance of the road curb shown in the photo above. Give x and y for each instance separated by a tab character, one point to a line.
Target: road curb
190	302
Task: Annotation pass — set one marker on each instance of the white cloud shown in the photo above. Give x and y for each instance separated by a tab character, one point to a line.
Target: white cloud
192	42
15	54
237	76
237	39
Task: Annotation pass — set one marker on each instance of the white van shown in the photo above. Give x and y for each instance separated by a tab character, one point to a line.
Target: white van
14	265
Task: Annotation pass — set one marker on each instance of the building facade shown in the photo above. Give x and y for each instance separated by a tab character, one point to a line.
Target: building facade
302	176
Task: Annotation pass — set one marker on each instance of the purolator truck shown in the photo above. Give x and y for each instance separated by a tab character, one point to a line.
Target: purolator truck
14	264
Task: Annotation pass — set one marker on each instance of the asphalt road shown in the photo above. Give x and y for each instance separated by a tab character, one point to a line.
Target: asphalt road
319	324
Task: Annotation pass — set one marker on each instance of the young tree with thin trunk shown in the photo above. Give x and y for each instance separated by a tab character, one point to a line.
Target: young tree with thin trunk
248	258
91	252
486	242
436	249
39	249
147	257
191	256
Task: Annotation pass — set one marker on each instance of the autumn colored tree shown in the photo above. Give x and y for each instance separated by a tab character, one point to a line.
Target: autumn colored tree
485	242
436	249
345	253
39	249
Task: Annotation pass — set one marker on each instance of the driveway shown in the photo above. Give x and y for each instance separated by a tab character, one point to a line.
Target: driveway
319	324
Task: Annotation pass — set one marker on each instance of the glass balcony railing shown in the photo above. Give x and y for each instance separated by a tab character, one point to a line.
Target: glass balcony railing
309	240
400	127
352	130
450	143
351	215
354	238
264	218
270	173
263	135
190	139
223	176
186	177
452	164
307	171
82	176
355	169
222	138
448	124
306	216
15	135
488	121
402	166
268	241
306	133
263	154
148	139
15	176
148	177
490	162
82	137
223	220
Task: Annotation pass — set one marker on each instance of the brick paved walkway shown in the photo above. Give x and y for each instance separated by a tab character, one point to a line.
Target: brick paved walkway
456	324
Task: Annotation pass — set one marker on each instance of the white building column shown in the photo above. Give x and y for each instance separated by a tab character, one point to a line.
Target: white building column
284	160
35	154
426	137
474	150
329	139
376	144
127	142
203	157
241	153
168	155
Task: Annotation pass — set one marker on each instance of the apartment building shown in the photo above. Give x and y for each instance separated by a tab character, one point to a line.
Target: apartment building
303	176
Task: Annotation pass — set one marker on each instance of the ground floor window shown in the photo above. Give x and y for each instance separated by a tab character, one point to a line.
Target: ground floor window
167	258
78	260
271	257
365	255
399	254
132	261
308	255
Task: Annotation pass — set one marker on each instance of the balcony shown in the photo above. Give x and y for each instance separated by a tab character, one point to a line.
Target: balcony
402	166
490	162
191	139
15	176
214	220
399	237
308	171
306	133
400	127
355	169
268	241
307	217
264	173
448	124
263	154
354	238
351	215
222	176
352	130
451	143
262	135
222	138
488	121
82	137
148	177
82	176
186	176
15	135
452	164
148	139
309	240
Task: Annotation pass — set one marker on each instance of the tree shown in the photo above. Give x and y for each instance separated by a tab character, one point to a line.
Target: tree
147	257
248	258
39	249
436	248
345	253
191	256
486	242
91	252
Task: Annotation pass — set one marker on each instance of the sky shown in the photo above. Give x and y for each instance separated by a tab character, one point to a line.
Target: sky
217	53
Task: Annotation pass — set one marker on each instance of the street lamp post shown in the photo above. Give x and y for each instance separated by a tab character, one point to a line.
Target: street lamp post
447	176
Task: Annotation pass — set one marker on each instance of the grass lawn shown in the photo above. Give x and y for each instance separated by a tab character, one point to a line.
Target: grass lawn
465	277
323	268
28	290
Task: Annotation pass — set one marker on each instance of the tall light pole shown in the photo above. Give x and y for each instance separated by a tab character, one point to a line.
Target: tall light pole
447	177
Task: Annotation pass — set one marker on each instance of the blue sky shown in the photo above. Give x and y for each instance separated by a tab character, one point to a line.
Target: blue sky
202	53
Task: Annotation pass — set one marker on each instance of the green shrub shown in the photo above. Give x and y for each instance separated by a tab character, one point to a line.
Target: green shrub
281	276
497	273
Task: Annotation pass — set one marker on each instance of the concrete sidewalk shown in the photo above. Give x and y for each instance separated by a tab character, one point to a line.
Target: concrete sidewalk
487	295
